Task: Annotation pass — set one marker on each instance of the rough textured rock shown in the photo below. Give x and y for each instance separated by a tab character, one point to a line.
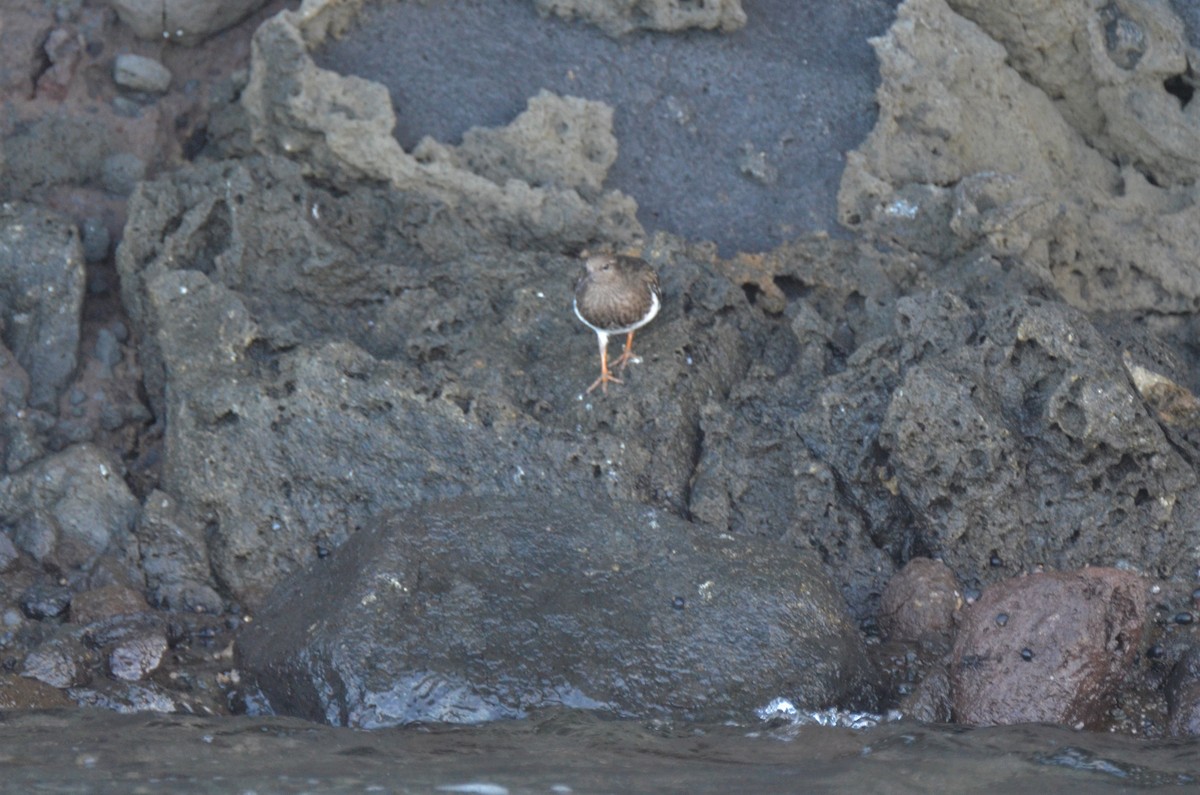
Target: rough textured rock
109	601
366	347
68	509
473	610
186	22
921	600
735	138
340	129
616	17
174	557
981	146
1183	695
41	294
1048	648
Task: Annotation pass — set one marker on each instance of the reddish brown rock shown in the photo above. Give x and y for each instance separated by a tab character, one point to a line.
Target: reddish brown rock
107	602
1047	648
919	603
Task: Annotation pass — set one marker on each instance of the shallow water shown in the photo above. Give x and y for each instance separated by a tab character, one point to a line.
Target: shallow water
568	752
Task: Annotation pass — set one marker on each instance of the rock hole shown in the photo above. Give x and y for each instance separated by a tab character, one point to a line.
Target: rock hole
752	292
1180	87
1142	497
792	287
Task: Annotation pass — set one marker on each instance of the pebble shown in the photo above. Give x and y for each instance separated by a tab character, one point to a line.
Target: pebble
108	350
138	73
42	600
120	173
138	656
96	240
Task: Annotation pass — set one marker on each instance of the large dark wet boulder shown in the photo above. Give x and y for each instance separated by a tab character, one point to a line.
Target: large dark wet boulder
479	609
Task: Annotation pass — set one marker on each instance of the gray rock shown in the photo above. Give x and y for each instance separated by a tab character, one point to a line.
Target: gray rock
42	280
108	350
120	173
70	508
139	73
356	143
244	392
186	22
135	657
1182	689
56	663
475	610
45	600
96	240
174	557
8	552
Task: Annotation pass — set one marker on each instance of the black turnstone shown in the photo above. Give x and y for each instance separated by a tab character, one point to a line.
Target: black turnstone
616	295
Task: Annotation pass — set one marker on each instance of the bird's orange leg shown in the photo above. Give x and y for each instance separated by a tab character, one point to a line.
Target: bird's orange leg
605	374
626	355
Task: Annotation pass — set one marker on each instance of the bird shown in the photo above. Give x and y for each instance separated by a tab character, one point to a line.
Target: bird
616	294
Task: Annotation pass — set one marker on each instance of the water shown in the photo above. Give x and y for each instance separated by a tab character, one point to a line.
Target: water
569	752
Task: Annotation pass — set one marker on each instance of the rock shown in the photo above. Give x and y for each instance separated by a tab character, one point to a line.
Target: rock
174	557
1041	115
1183	695
565	143
186	22
920	601
293	366
616	19
63	49
44	600
96	240
8	552
135	657
56	663
101	604
356	143
121	173
474	610
1067	641
42	280
70	508
139	73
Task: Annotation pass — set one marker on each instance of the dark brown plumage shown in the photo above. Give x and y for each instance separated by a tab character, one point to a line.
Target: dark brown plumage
616	295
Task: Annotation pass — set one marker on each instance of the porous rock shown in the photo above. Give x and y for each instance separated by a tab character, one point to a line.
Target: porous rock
478	609
1059	654
1002	131
340	128
351	378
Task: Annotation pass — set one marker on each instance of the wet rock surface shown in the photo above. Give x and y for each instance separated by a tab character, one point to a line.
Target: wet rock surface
1047	648
474	610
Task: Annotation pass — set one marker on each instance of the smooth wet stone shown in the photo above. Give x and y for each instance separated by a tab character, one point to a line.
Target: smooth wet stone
473	610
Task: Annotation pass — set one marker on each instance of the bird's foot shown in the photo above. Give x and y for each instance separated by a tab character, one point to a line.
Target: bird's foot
603	381
624	359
